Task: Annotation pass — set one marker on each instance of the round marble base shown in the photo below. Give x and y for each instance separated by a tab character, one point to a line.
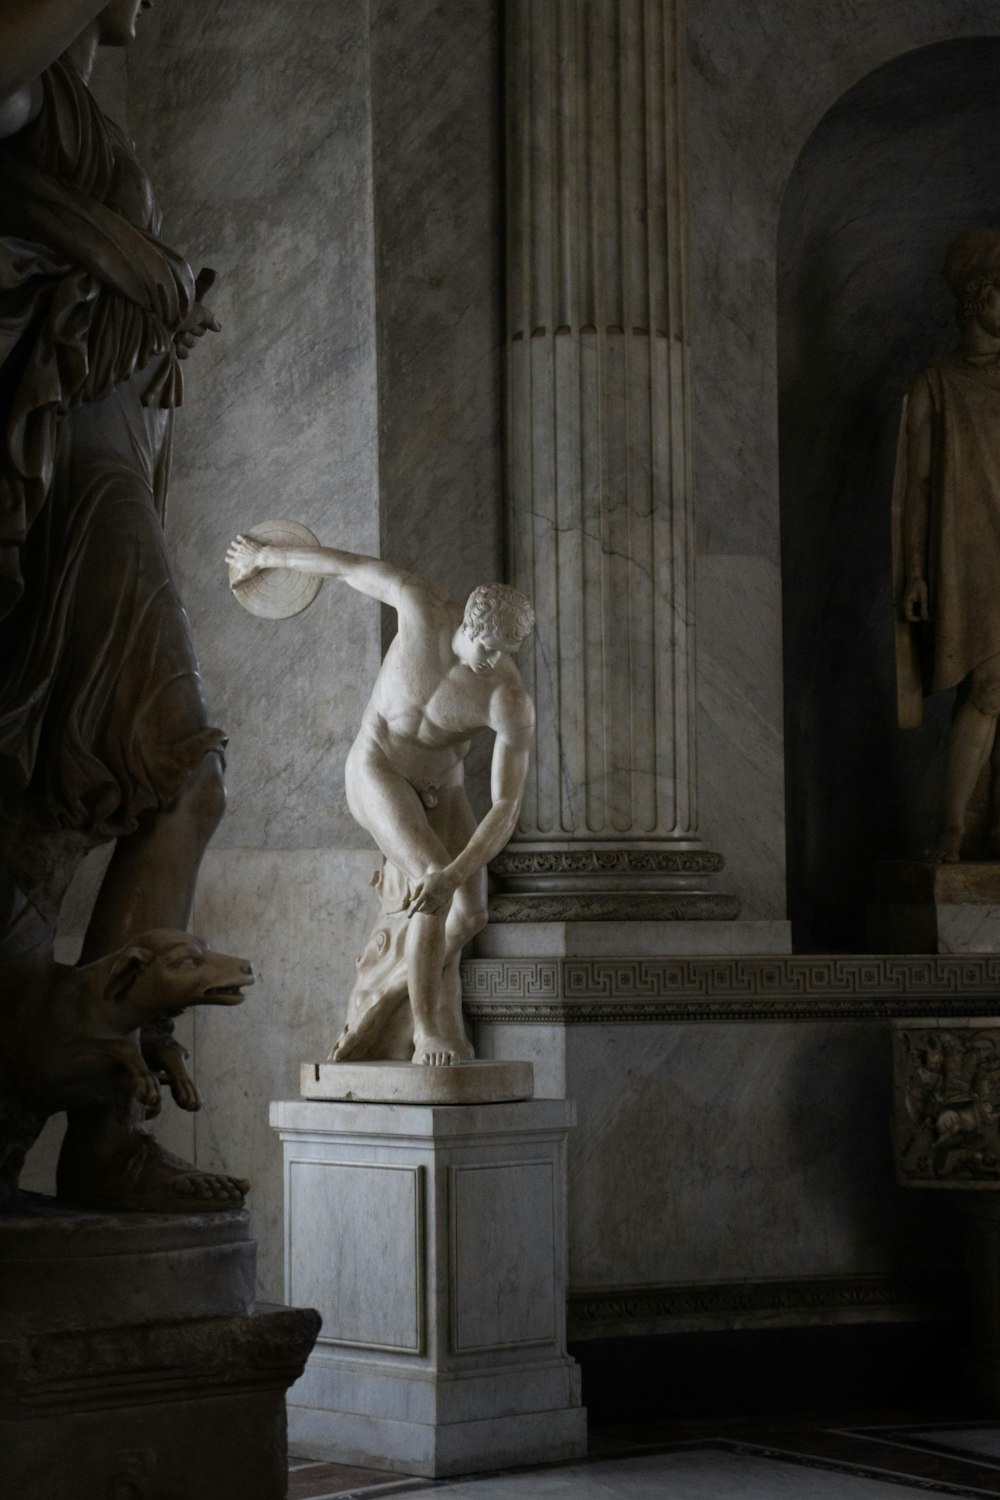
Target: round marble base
408	1083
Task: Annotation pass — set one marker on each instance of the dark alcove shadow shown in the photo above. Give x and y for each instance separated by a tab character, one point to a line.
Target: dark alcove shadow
902	162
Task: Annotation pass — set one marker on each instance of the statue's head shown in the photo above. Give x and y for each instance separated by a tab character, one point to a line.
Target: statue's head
972	270
116	22
497	619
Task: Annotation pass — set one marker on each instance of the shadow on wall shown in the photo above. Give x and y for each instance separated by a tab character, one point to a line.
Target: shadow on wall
903	161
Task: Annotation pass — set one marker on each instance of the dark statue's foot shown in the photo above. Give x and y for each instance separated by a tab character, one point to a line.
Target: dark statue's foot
140	1177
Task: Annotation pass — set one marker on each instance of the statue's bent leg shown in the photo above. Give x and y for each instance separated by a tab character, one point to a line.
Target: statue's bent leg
436	1038
442	1037
386	805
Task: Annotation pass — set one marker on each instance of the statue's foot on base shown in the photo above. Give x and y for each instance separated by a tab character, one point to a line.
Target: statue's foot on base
946	848
438	1050
140	1177
344	1047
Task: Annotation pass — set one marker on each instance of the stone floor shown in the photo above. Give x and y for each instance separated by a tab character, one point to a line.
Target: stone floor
844	1458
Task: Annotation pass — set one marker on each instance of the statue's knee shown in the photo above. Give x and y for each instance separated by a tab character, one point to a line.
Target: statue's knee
204	795
984	689
470	922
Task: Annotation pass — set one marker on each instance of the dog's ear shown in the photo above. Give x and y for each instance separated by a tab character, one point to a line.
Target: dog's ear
127	966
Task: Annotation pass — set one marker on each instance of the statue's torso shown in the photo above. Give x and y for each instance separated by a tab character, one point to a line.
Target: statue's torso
427	705
74	142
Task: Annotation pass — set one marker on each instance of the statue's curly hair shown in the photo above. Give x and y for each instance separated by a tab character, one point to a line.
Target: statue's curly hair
498	609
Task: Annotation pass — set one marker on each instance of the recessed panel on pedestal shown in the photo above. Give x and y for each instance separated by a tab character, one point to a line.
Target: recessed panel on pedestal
339	1211
502	1269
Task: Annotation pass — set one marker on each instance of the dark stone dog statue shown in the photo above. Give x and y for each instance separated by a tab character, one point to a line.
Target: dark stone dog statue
102	1033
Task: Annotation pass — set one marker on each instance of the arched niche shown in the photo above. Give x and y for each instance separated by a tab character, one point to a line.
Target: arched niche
903	160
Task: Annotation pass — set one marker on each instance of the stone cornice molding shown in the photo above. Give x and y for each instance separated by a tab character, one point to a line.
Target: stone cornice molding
603	991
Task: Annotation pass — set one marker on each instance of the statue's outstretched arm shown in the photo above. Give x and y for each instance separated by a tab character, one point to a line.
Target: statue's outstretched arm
33	33
369	575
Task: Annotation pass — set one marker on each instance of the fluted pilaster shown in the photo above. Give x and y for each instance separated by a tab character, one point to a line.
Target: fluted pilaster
599	441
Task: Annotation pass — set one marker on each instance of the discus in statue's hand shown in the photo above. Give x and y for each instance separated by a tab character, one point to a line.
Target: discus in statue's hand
278	593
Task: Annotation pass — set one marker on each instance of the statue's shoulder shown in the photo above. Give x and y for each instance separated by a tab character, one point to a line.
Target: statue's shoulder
423	603
511	708
414	586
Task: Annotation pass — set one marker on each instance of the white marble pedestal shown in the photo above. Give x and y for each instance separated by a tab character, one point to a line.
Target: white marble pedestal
432	1239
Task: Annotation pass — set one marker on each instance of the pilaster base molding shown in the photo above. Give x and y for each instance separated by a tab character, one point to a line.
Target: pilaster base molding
514	866
609	884
628	905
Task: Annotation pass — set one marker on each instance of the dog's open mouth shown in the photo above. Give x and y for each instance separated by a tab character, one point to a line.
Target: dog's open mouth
229	994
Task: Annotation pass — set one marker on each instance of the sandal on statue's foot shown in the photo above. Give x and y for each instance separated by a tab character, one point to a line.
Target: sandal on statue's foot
141	1177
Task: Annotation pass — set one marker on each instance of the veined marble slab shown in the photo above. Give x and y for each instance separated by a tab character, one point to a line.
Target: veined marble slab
686	1475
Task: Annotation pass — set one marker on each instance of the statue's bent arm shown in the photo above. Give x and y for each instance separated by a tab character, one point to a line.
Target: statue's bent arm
33	33
918	480
508	774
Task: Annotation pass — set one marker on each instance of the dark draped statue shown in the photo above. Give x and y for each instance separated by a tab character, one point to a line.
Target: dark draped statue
947	506
104	733
101	711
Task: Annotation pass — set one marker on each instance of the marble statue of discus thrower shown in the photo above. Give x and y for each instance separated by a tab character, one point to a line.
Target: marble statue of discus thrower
278	593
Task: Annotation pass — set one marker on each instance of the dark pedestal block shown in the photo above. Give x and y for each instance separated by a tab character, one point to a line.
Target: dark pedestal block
920	907
112	1392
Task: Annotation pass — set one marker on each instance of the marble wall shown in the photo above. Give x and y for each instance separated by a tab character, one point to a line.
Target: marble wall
709	1155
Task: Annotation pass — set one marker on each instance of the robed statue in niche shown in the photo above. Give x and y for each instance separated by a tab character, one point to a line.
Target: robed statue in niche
104	734
947	507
